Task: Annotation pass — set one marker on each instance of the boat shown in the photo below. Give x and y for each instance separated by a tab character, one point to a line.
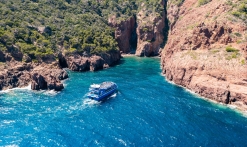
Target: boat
101	91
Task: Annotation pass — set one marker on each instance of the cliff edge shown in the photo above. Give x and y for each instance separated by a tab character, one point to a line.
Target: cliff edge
206	50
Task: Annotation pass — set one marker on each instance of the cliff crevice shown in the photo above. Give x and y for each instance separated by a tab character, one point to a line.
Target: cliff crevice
150	31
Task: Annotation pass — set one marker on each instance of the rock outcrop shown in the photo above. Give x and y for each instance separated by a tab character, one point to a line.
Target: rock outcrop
47	78
203	54
150	32
96	63
15	74
125	34
47	73
77	62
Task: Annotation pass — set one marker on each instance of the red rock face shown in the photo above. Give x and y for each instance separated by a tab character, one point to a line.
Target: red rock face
79	63
44	76
150	33
15	76
195	55
47	78
123	33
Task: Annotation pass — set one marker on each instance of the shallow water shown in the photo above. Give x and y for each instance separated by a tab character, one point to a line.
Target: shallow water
146	111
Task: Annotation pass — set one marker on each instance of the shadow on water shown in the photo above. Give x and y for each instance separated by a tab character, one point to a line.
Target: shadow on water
120	62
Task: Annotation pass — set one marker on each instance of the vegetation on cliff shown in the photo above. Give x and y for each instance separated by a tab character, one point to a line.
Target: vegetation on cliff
40	28
240	9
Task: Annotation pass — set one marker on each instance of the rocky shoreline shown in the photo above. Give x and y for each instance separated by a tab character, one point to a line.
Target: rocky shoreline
40	76
48	74
239	109
203	55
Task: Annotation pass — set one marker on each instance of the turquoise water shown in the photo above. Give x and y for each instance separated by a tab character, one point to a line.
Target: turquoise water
146	111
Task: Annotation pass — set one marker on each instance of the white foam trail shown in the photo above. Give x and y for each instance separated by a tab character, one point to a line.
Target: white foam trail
114	95
50	92
8	121
89	102
17	88
122	142
13	145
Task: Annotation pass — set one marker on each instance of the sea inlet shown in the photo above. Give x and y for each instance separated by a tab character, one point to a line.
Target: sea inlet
146	111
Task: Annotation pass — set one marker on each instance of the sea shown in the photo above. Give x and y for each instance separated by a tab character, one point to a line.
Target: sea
146	111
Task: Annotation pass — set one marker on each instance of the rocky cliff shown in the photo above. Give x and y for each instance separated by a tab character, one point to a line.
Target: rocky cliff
125	33
206	51
144	32
45	76
150	31
77	62
40	76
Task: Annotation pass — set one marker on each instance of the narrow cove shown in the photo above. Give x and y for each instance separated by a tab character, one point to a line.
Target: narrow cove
146	111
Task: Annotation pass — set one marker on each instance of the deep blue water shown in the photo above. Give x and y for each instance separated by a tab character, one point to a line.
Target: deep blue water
146	111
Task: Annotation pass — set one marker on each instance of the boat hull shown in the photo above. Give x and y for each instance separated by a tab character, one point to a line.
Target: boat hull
104	96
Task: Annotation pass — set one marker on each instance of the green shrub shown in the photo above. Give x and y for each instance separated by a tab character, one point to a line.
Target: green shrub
238	34
27	48
145	29
241	11
215	51
236	14
203	2
242	62
231	49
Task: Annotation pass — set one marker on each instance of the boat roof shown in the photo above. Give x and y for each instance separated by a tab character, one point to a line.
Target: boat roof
106	85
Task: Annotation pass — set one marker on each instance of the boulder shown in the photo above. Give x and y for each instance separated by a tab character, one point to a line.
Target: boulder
26	58
78	63
62	75
96	63
38	82
57	86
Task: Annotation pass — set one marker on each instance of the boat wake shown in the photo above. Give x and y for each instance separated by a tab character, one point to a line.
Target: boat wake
89	102
113	95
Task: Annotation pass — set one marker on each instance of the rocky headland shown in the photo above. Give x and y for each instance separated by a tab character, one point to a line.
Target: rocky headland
15	73
206	51
48	73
